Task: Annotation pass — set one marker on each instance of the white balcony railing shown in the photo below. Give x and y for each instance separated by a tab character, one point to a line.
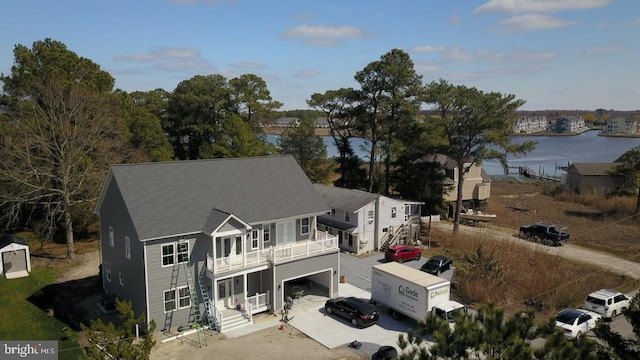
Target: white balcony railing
300	249
256	303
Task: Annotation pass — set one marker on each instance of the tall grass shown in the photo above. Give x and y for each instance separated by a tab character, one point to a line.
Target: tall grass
507	273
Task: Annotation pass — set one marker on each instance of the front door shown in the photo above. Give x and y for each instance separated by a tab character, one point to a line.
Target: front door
285	233
225	291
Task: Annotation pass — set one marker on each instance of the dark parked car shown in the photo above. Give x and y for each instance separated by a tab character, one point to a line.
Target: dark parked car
359	312
401	253
437	265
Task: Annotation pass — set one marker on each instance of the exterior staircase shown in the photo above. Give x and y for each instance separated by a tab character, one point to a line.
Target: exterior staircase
233	319
393	237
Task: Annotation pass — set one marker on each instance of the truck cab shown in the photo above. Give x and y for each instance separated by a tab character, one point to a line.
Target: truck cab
448	310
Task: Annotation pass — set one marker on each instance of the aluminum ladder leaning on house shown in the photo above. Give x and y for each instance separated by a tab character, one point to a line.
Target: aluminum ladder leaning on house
183	247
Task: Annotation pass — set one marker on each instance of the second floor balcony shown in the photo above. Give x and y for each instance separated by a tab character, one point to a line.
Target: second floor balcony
323	243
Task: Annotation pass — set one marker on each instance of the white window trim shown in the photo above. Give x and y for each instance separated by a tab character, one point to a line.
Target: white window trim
173	255
177	253
266	233
164	300
178	298
127	247
302	226
107	270
255	236
111	237
121	277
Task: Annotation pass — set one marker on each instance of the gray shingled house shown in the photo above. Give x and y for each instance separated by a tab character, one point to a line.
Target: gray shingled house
366	221
213	240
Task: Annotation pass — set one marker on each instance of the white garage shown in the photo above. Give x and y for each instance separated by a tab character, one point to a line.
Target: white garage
15	259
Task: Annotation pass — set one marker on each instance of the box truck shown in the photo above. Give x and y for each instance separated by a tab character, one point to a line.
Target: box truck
410	292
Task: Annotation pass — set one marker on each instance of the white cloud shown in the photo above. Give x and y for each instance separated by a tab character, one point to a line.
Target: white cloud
171	59
531	56
429	49
455	20
538	6
160	54
532	22
423	67
605	50
307	74
248	65
321	35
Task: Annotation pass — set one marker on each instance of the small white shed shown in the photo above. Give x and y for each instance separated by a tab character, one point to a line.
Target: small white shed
15	259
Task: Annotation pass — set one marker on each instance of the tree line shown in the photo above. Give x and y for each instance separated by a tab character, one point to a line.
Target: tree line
63	123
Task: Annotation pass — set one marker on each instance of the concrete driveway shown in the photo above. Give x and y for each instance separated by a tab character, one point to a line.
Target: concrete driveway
332	331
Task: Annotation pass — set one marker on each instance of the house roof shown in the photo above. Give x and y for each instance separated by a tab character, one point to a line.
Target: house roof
345	199
182	197
11	239
591	169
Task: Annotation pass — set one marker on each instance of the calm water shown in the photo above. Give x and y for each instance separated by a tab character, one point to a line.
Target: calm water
551	151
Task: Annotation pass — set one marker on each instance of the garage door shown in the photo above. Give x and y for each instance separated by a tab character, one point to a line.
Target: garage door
14	261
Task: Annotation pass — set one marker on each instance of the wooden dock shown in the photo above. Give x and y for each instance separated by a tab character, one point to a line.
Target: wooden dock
526	171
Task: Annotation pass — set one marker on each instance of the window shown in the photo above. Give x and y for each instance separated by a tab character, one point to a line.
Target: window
122	279
350	240
168	254
347	217
393	212
370	216
169	300
184	297
111	241
183	252
304	226
127	247
107	270
333	212
254	239
266	228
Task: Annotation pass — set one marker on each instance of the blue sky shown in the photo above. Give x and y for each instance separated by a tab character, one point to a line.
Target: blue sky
555	54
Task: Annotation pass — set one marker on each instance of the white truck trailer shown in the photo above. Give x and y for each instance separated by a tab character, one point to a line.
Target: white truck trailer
410	292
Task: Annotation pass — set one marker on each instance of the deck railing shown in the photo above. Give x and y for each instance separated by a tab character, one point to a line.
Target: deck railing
256	303
217	316
324	242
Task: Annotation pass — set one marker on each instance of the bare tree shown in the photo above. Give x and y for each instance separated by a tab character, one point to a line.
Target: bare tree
60	133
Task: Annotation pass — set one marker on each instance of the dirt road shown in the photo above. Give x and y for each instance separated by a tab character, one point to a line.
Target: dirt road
568	251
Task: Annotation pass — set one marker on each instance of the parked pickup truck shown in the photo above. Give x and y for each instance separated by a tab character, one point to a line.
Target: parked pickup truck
544	234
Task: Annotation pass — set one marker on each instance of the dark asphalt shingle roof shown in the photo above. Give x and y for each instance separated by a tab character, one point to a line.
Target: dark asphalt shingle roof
10	239
182	197
345	199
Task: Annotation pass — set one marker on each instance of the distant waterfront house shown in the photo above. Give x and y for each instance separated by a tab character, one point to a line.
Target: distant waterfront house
322	122
621	125
591	177
287	122
568	124
364	221
530	123
476	189
225	238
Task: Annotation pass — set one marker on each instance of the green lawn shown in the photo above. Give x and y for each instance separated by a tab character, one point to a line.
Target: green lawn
20	319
